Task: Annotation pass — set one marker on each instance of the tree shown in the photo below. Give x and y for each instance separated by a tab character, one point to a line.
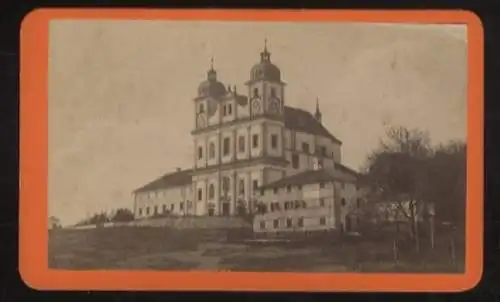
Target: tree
122	215
396	173
447	167
407	172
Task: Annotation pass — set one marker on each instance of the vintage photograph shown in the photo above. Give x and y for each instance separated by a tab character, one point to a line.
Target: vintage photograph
257	146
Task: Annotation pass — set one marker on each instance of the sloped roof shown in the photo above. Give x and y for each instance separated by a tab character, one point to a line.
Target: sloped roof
346	169
301	120
169	180
310	177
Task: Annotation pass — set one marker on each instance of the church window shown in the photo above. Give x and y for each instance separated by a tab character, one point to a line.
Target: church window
300	222
288	222
305	147
202	108
323	150
255	184
295	161
262	224
164	208
274	141
225	184
147	210
181	206
322	185
224	110
343	202
140	212
229	109
172	207
255	140
273	91
256	92
321	202
211	150
322	221
200	152
211	191
241	144
276	223
200	194
226	146
242	187
155	210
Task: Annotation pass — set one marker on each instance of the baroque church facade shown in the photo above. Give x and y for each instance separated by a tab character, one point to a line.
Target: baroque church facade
241	143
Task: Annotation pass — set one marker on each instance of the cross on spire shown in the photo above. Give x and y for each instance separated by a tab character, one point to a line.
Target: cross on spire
317	114
212	63
265	56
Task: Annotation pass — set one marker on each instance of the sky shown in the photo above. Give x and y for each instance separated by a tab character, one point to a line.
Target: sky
121	92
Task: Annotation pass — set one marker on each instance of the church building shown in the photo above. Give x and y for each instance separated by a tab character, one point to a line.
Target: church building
241	142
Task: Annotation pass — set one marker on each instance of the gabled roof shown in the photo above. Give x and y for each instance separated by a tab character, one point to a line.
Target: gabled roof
169	180
301	120
311	177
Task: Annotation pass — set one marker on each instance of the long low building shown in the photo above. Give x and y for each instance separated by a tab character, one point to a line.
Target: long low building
315	200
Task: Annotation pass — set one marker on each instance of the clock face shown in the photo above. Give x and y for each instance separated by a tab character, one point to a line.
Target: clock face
256	109
201	120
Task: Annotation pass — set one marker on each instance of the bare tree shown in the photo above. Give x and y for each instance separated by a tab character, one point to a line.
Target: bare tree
396	173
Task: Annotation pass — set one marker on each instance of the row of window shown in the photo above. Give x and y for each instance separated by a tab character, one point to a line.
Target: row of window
227	108
297	204
291	205
225	188
154	210
299	187
226	145
290	224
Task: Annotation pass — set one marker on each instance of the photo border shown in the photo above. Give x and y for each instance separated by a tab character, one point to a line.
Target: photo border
33	204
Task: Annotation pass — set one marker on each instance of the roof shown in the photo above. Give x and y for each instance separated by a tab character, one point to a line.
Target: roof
169	180
301	120
346	169
309	177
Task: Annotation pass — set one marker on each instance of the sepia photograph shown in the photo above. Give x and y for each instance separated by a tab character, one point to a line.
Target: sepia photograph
254	146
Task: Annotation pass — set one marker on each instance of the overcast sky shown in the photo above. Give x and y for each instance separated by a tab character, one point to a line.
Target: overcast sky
120	92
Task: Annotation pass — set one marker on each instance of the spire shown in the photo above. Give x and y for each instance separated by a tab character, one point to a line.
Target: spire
265	56
317	114
212	74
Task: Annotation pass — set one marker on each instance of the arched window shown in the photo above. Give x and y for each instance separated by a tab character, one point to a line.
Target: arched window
225	184
211	191
256	92
343	202
242	187
211	150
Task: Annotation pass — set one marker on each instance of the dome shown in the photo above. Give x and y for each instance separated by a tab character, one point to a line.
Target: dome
211	87
265	70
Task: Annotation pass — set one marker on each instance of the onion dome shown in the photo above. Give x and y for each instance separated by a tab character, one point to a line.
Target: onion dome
211	87
265	70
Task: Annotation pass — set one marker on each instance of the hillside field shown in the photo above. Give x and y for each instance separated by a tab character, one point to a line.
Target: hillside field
150	248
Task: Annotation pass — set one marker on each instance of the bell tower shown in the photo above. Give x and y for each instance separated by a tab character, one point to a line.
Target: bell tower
265	88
